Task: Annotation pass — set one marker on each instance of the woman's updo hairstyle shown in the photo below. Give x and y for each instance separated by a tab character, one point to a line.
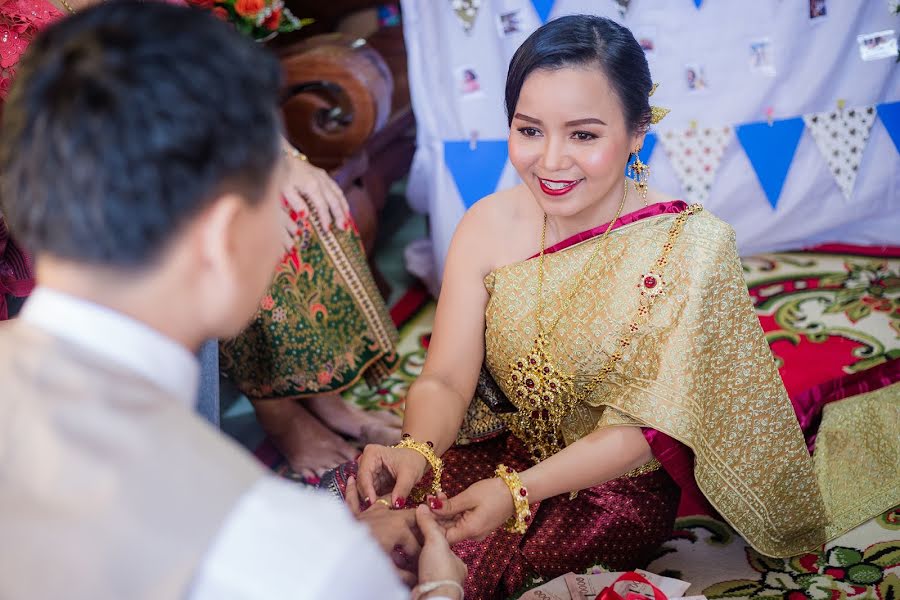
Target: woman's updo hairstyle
586	41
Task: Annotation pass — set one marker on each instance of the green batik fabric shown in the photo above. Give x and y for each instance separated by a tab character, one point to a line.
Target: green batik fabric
321	326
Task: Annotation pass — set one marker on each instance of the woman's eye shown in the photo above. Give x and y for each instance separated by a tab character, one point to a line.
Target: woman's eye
529	131
584	136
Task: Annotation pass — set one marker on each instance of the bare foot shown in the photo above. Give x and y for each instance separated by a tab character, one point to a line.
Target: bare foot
309	446
379	434
363	425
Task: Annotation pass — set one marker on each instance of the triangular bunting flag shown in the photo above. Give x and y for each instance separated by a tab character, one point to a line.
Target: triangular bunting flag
890	116
466	11
770	149
697	3
841	137
623	8
646	150
543	8
476	170
695	154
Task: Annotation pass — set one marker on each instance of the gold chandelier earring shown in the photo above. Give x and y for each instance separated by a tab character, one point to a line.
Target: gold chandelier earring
640	174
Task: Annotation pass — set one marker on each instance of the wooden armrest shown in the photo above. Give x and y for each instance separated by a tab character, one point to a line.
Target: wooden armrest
337	94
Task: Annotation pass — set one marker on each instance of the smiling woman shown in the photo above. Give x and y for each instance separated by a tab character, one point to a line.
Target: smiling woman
620	330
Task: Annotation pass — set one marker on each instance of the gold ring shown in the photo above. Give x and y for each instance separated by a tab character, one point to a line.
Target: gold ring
383	501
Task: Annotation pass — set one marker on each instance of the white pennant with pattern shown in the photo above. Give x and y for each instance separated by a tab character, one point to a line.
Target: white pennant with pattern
696	153
842	136
466	11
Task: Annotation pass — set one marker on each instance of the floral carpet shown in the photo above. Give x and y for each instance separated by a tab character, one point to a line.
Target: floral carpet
829	313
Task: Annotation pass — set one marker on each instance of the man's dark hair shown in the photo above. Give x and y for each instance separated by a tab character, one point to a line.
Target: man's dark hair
125	121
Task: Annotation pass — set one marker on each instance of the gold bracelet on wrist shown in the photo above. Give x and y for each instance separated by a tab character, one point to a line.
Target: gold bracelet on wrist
518	523
291	151
426	449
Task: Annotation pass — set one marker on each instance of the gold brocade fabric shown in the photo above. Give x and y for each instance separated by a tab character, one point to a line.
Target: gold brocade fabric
857	456
699	371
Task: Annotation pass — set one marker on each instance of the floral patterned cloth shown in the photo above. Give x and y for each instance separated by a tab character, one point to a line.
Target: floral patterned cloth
20	20
322	326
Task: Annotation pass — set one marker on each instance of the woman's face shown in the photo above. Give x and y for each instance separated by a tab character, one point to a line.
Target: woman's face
568	139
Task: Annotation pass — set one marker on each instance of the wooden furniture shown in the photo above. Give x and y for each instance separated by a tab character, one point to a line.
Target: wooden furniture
344	109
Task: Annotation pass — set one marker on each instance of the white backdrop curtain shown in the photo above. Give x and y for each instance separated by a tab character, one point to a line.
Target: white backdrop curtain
816	62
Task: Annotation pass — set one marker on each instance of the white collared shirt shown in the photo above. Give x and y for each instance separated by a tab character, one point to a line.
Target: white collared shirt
280	541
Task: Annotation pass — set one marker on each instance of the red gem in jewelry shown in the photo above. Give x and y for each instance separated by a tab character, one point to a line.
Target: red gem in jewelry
529	383
509	469
546	370
523	492
650	282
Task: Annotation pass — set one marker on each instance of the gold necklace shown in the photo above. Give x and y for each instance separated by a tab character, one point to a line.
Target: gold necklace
68	6
541	391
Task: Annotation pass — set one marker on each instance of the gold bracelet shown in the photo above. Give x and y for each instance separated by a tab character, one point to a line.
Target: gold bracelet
426	449
296	154
518	523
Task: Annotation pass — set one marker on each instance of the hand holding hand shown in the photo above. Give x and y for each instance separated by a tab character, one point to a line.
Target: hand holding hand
437	561
387	470
477	511
395	531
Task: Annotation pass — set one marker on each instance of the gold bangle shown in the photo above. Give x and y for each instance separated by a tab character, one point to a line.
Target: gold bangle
518	523
296	154
426	449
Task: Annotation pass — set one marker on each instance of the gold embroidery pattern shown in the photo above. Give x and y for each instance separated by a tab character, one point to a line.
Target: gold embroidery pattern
698	369
544	394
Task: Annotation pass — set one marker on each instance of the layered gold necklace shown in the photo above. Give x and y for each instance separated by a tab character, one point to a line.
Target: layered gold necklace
541	391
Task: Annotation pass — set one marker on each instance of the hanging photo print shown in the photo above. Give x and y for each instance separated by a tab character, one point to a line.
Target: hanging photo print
695	78
509	23
818	10
468	82
874	46
762	60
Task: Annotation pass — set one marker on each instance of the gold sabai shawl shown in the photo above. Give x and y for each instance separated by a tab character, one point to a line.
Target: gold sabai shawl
698	369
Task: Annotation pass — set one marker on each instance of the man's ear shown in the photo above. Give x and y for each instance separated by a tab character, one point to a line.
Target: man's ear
218	230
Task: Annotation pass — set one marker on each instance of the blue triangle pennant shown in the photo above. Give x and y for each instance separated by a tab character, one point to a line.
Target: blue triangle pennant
475	171
543	8
890	116
646	151
697	3
770	149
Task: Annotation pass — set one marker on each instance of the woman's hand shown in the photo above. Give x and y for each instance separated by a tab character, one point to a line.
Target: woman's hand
476	512
385	470
309	186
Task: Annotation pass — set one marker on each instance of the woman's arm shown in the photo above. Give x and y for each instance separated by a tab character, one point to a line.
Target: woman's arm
438	400
598	457
603	455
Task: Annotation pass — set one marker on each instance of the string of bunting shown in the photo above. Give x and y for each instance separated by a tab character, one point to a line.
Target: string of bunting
696	152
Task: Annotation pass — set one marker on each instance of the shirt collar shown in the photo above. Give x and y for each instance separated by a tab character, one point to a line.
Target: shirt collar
117	338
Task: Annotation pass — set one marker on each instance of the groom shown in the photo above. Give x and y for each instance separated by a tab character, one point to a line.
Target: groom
140	161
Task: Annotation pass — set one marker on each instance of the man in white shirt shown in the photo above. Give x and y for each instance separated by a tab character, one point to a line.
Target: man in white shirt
140	153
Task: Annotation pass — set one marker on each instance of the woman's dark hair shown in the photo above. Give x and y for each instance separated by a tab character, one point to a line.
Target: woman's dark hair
125	121
586	41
